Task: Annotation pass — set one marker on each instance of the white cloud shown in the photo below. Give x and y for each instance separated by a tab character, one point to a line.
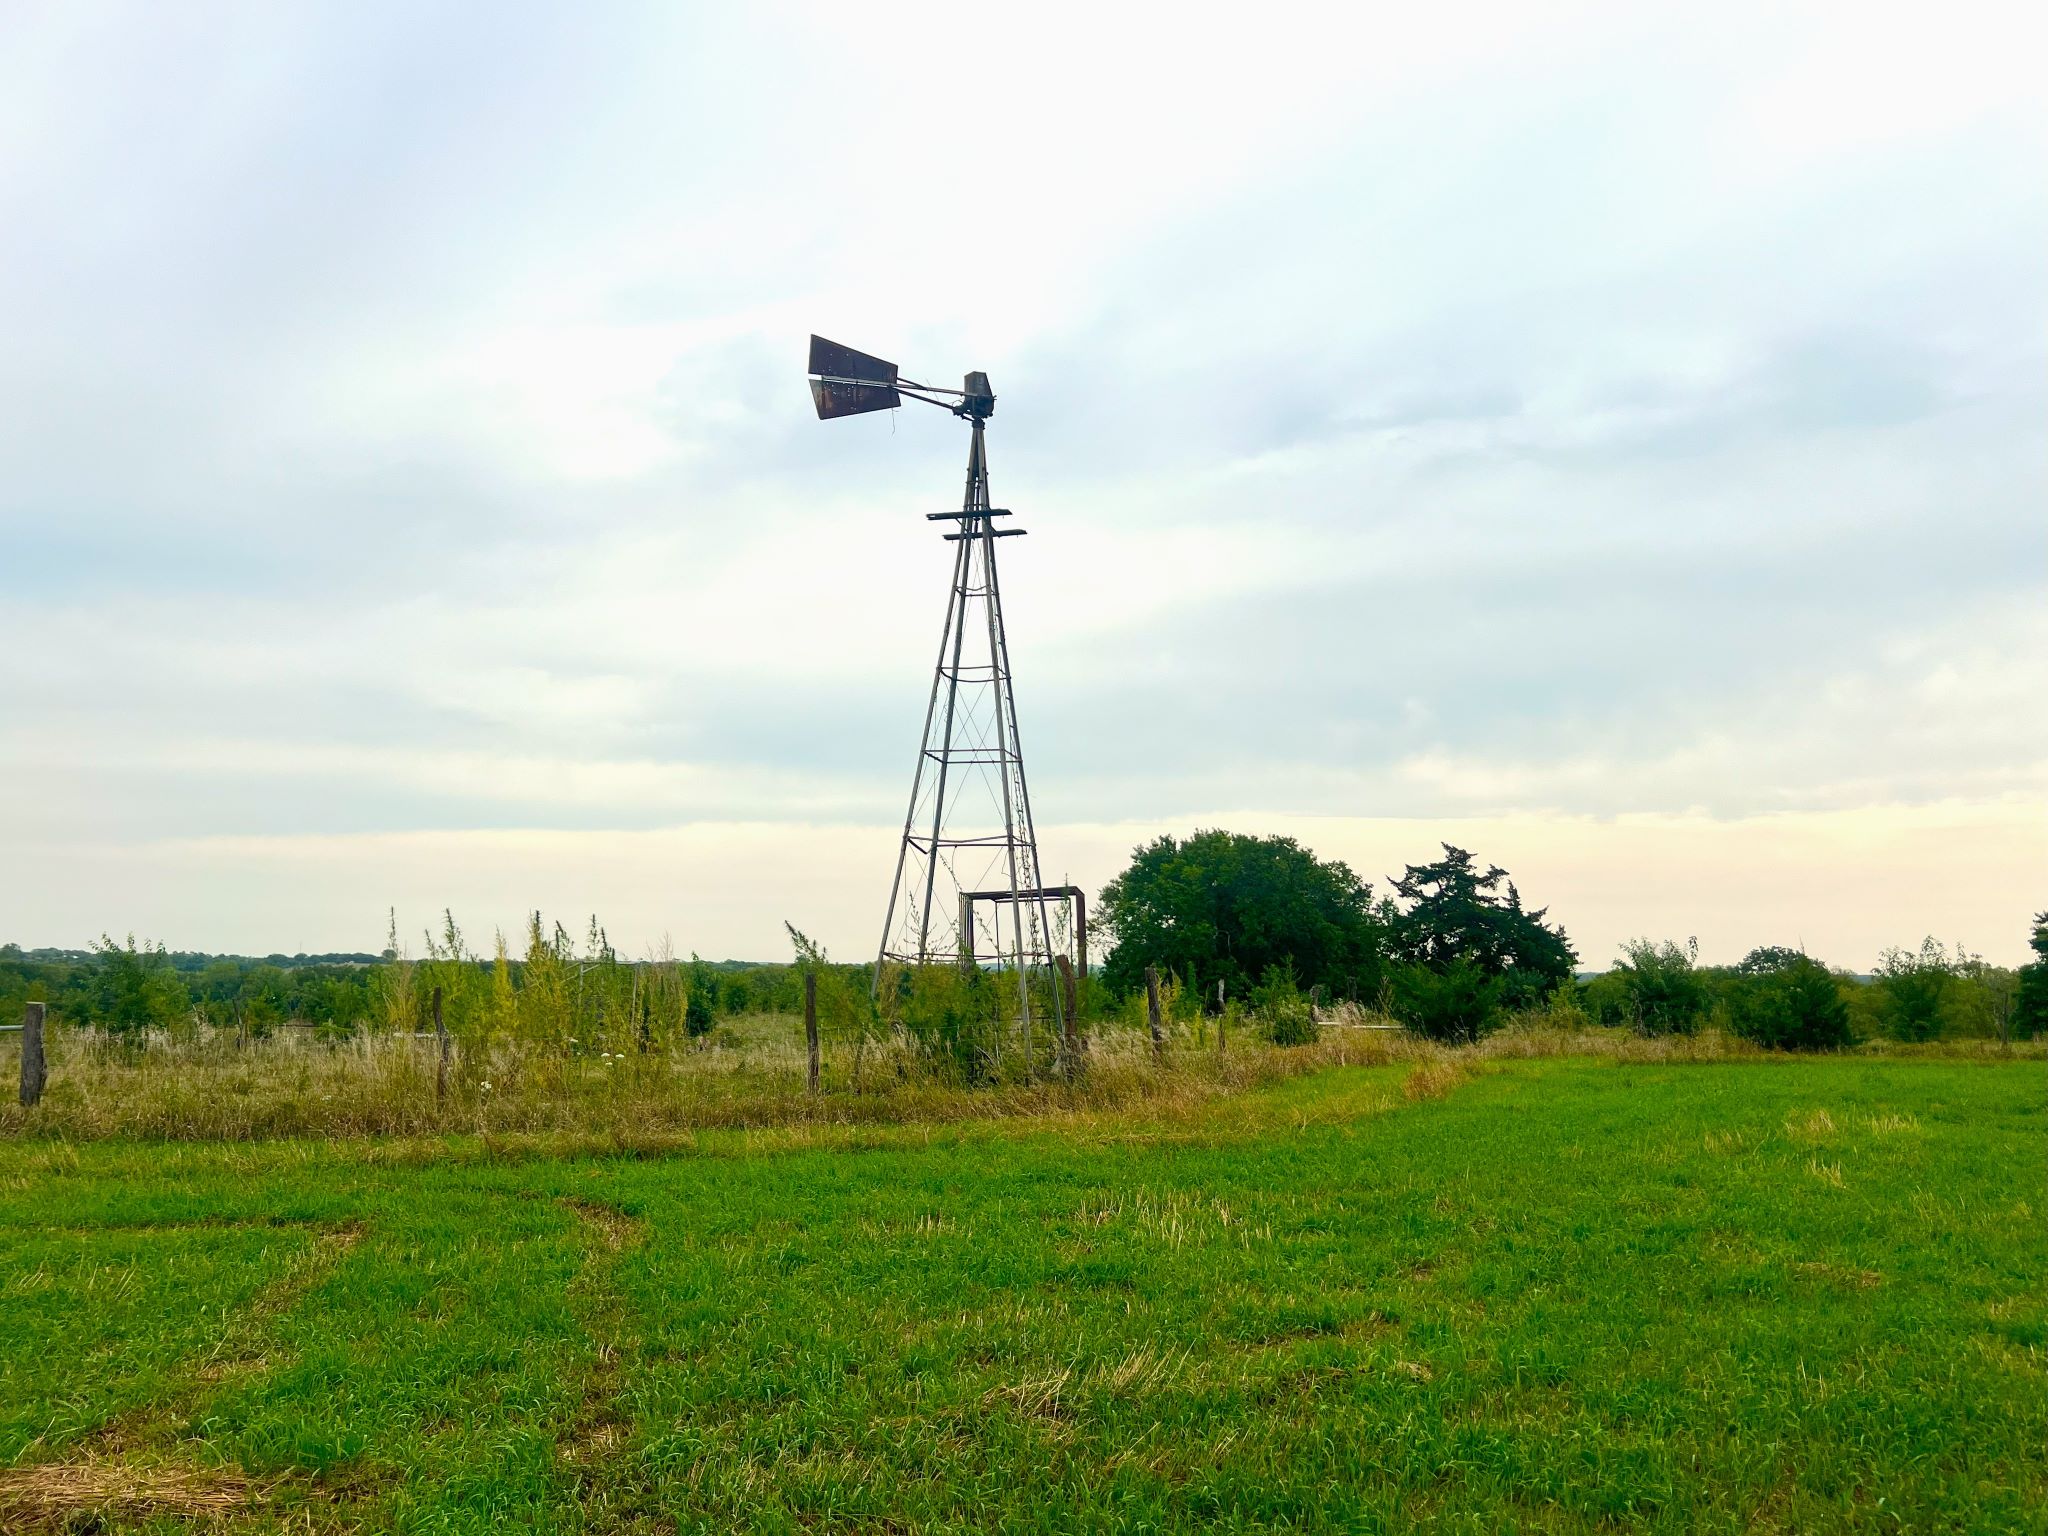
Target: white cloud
1478	411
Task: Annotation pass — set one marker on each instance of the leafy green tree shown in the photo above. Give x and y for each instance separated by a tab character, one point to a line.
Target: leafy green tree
264	999
1667	993
216	991
1786	1001
133	990
1912	986
1225	906
1455	913
1456	1003
1768	960
2030	1007
1980	1002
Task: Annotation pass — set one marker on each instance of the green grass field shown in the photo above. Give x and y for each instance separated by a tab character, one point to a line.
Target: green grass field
1552	1295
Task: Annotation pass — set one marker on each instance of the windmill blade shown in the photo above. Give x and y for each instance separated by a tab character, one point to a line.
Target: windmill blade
836	399
841	362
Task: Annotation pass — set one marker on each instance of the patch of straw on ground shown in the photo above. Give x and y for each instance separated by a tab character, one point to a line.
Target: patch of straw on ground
1433	1079
66	1491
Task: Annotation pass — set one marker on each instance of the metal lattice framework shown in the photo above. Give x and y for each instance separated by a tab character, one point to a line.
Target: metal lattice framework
968	887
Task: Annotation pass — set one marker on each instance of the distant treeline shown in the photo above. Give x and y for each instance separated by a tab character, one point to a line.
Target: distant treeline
194	960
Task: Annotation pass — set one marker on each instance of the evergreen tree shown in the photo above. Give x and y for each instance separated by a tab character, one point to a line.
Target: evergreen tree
2030	1008
1454	914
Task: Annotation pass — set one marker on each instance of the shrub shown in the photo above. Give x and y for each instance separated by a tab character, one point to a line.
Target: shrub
1278	1004
1604	999
846	1005
950	1016
1459	1003
1564	1009
1786	1001
1666	994
699	1010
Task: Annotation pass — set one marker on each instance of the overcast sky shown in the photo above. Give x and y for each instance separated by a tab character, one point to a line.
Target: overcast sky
1614	443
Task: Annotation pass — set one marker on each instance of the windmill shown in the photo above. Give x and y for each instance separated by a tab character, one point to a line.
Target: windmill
967	883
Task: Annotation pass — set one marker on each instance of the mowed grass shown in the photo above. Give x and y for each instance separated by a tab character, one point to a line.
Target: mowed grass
1540	1295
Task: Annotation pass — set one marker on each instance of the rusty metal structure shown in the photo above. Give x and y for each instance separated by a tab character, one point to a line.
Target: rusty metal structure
967	888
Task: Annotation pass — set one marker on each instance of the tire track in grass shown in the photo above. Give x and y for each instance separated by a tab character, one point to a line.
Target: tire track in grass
600	1427
237	1354
131	1468
239	1351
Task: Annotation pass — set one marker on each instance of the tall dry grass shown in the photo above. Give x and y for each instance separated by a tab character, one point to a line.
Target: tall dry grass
207	1086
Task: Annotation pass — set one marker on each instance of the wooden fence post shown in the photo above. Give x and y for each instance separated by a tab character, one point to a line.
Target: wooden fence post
811	1022
441	1064
34	1072
1152	1010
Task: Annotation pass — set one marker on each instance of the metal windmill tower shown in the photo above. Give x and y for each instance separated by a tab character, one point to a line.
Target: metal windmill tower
967	884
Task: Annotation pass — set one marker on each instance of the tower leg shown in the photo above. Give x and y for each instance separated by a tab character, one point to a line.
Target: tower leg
954	616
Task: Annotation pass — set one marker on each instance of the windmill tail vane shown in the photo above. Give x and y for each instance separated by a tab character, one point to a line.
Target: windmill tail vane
967	888
849	383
